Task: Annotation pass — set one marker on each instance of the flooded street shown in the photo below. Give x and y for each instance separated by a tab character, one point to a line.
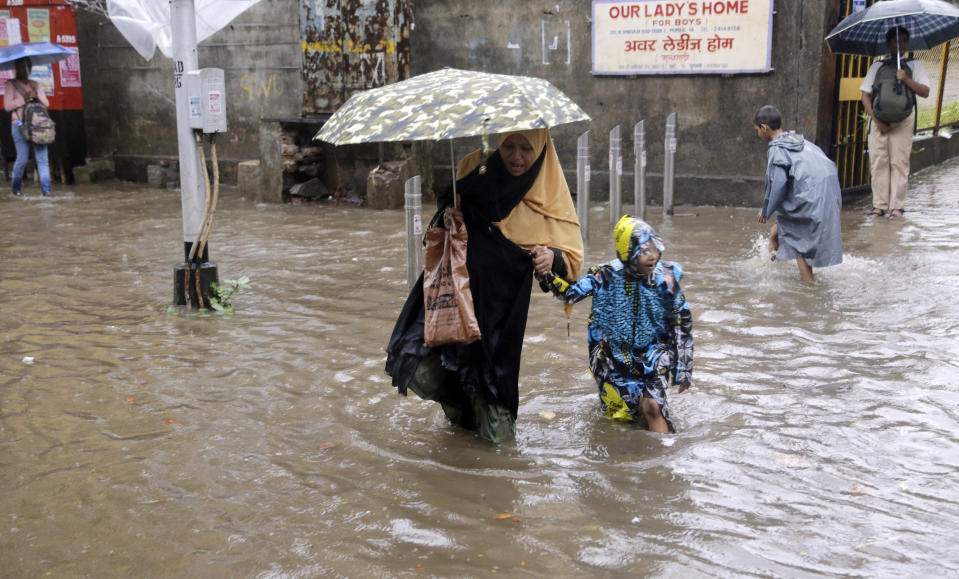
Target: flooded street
820	437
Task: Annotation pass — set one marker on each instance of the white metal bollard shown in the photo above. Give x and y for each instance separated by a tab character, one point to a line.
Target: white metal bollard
582	183
615	176
669	165
639	170
414	229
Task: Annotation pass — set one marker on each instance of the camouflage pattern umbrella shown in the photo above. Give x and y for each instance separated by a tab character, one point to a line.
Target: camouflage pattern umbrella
448	104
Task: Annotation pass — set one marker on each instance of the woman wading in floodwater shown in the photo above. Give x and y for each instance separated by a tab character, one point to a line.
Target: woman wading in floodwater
519	214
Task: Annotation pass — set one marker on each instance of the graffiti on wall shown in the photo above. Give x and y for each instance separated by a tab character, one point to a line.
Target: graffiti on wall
261	90
549	44
556	39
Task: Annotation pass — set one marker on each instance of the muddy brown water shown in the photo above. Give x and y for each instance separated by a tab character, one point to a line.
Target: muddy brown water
820	437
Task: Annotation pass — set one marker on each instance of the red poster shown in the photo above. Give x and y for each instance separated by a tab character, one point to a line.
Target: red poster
70	72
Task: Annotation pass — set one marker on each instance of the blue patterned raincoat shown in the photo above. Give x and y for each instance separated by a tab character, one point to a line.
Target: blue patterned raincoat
640	326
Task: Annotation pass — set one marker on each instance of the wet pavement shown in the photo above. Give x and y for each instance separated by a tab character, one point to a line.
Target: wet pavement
820	437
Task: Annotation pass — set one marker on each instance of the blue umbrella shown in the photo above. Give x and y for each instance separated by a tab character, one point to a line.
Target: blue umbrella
40	53
929	22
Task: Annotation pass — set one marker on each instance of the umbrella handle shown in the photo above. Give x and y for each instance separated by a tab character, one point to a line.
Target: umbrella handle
453	171
898	55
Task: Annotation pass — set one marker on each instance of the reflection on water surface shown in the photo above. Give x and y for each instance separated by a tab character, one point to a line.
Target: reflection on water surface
819	437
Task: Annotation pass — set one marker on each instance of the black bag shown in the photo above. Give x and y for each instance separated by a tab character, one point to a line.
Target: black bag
892	100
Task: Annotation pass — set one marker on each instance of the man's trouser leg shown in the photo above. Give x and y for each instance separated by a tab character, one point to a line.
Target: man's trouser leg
900	150
879	167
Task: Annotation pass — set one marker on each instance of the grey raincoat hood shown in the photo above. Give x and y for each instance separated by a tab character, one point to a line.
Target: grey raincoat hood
802	189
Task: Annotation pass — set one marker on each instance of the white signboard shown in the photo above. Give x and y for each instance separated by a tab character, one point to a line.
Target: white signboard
681	36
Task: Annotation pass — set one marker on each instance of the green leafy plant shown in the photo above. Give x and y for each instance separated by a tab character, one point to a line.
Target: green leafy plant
222	298
927	117
950	113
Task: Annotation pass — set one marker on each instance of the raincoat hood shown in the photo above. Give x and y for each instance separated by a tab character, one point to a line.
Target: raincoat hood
633	236
791	141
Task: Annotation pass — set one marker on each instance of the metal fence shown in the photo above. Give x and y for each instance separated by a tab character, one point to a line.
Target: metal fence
941	108
414	207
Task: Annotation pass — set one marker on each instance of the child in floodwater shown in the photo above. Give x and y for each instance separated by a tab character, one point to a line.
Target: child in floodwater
802	189
640	326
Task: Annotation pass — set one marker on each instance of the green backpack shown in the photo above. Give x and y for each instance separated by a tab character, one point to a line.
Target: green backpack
892	100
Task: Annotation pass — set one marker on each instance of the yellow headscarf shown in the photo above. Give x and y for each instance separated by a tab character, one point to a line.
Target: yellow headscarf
546	215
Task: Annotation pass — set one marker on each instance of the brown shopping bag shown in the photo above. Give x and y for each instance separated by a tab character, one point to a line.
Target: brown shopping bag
449	316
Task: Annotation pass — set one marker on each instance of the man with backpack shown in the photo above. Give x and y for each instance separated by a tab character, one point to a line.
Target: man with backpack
18	94
889	96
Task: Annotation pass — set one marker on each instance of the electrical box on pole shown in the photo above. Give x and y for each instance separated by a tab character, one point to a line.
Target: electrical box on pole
206	91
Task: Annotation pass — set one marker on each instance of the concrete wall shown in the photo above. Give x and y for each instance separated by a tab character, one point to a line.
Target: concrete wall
130	102
931	150
719	158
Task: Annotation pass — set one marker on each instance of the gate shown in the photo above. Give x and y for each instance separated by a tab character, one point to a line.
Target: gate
350	46
851	126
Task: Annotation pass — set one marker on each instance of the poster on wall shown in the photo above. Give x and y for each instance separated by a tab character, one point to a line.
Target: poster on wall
9	34
70	71
43	76
634	37
4	35
9	29
38	24
38	30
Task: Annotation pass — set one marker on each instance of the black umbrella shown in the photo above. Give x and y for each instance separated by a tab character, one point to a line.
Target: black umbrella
929	22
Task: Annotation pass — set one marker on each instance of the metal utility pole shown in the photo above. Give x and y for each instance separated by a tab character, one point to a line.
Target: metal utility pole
192	189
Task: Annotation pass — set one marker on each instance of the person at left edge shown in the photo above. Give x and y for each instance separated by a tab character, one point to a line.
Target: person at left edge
519	215
15	95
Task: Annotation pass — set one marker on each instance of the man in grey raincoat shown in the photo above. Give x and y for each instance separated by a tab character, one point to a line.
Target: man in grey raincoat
802	188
